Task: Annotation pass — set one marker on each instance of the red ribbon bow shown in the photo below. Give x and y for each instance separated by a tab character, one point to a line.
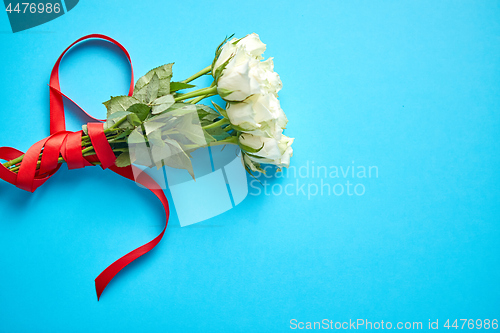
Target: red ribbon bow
68	145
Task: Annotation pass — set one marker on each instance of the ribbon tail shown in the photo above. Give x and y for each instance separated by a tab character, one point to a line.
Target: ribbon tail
68	145
110	272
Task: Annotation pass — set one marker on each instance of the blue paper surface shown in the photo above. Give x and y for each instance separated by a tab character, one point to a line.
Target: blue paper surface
405	93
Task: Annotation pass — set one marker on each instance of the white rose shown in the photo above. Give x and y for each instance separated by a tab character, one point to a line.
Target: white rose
270	80
259	115
285	146
244	76
271	150
251	45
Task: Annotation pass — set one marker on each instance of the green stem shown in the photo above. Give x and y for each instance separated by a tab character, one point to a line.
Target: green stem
216	124
197	75
85	138
230	140
196	93
85	152
88	151
197	99
118	123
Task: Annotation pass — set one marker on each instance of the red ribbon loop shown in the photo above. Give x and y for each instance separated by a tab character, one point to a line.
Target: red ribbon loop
68	145
57	121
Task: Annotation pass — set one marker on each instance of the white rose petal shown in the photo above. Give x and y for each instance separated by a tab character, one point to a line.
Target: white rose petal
239	78
227	51
244	74
271	150
285	146
250	45
258	115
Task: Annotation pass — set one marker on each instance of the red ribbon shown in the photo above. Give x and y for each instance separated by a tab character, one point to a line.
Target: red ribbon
67	145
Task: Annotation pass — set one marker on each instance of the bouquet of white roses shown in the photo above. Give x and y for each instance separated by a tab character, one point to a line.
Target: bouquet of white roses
172	122
161	123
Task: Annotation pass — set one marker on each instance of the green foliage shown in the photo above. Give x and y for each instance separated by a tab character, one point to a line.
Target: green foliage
217	133
141	110
218	71
220	110
206	114
224	92
153	88
161	104
145	92
178	158
116	117
163	131
134	120
176	86
218	52
123	160
119	103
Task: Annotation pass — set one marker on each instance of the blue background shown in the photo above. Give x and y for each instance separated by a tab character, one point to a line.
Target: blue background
411	87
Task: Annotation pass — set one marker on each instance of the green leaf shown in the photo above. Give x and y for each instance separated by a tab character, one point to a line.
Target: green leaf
153	87
237	41
119	103
252	165
220	110
224	92
218	70
196	135
176	86
174	107
151	125
218	133
218	52
141	110
206	114
178	158
123	160
209	138
163	103
134	120
136	136
164	74
154	139
116	117
205	110
238	128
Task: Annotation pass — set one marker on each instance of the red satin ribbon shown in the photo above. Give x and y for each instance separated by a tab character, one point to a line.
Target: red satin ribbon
67	145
